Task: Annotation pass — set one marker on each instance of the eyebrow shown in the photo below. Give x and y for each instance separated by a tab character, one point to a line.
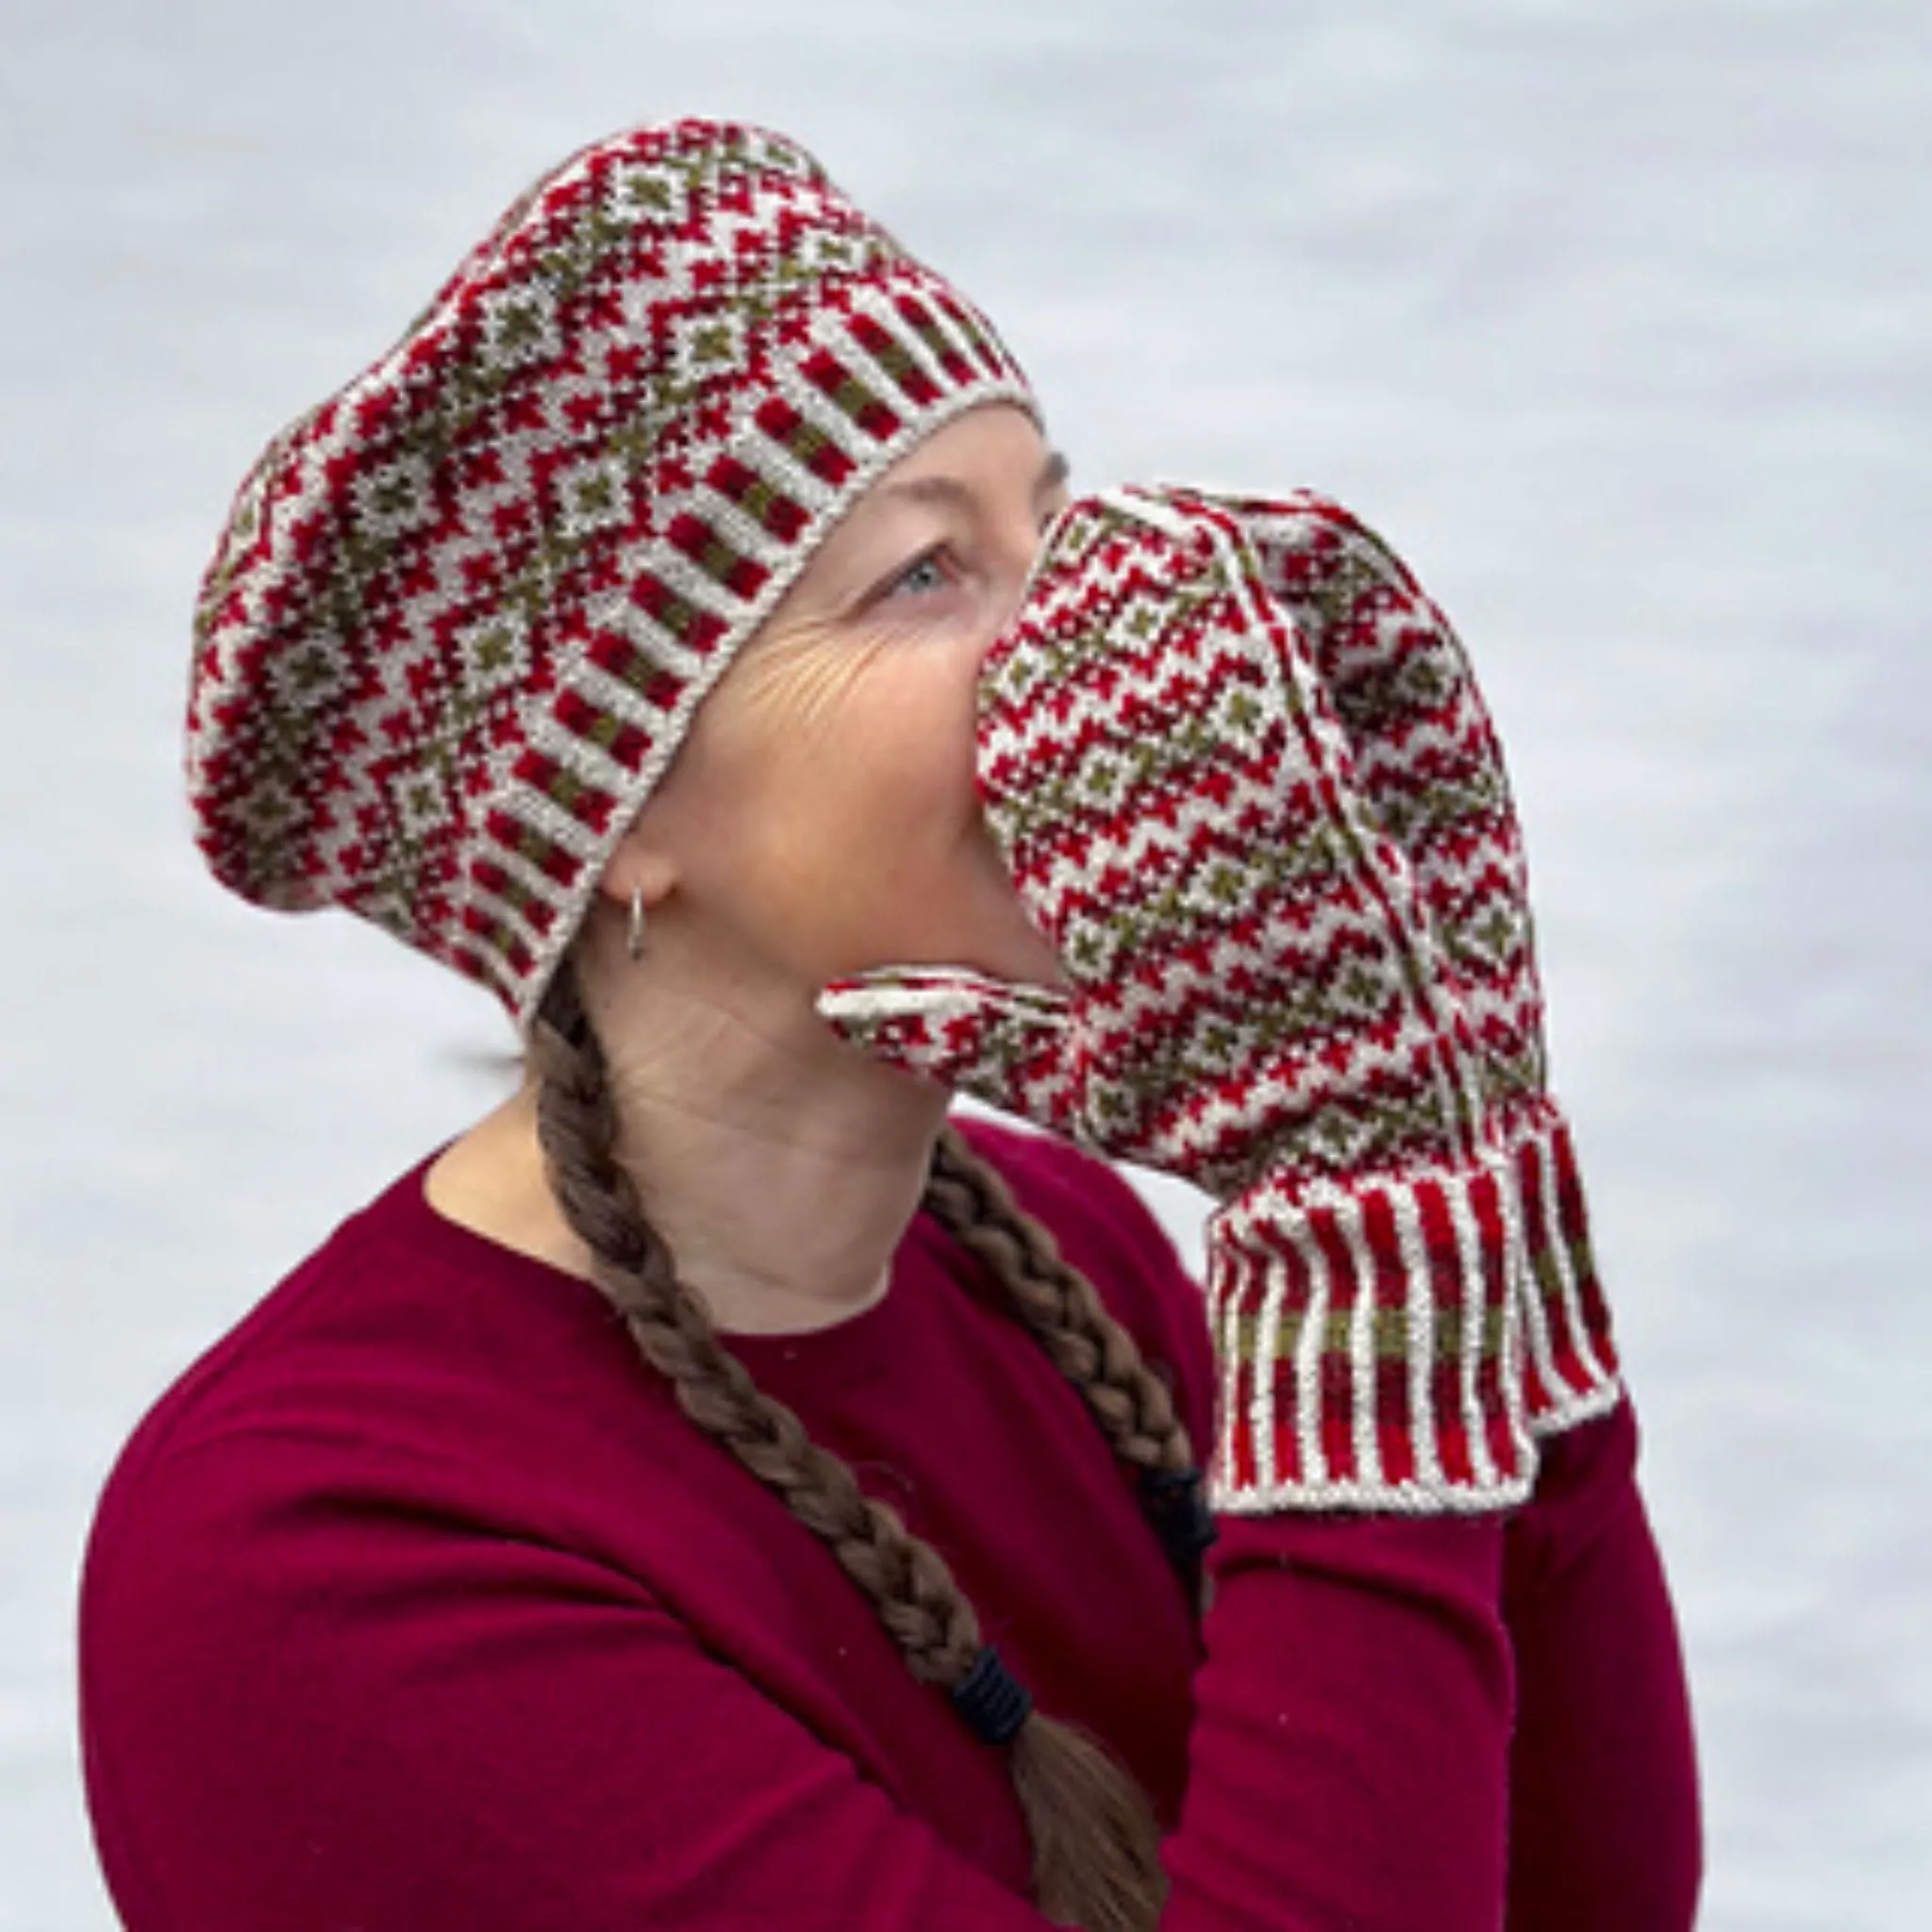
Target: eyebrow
1052	473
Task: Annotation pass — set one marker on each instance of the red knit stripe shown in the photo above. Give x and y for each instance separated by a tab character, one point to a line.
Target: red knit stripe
500	884
696	629
944	349
617	738
1576	1225
540	853
500	936
866	411
805	443
1539	1205
643	673
1486	1203
1247	1373
976	338
893	355
706	548
1337	1383
588	803
758	497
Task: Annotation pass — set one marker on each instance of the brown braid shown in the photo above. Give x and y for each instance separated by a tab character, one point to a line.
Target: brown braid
971	1201
1095	1839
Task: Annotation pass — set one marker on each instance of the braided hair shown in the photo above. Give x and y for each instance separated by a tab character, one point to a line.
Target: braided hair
1096	1840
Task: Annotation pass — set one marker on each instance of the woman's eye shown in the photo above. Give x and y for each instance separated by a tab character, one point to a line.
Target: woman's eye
923	578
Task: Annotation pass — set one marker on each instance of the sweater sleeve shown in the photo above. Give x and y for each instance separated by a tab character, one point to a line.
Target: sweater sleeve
498	1734
1350	1757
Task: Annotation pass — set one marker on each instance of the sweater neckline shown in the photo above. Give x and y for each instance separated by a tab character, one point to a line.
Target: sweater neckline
853	1345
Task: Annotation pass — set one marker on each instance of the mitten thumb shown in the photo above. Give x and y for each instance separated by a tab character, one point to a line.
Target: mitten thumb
1004	1043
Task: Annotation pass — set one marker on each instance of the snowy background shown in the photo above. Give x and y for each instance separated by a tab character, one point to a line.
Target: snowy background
1616	316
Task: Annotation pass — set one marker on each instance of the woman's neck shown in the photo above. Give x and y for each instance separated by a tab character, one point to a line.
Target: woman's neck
780	1166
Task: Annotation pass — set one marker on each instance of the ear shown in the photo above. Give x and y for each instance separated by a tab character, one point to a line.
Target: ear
642	864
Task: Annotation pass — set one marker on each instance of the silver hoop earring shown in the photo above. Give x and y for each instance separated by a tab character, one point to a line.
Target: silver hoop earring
634	933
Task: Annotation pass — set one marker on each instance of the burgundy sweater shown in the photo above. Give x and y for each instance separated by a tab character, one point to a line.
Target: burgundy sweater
417	1603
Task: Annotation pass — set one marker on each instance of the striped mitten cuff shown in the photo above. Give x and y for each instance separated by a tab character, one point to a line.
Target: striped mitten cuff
1370	1342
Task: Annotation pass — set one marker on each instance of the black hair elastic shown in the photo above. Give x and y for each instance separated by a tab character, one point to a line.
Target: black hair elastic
992	1700
1176	1501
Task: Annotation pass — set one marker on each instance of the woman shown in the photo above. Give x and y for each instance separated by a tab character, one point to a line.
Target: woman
683	632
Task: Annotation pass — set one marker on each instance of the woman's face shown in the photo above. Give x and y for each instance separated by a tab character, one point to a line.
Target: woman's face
822	816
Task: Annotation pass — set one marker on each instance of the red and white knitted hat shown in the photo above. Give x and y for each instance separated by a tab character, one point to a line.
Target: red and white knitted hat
463	612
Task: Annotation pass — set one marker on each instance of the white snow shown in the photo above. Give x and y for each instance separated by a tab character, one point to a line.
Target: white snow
1615	316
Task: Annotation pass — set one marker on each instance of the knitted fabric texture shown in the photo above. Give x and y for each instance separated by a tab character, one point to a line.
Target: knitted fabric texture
1257	1005
1431	767
463	611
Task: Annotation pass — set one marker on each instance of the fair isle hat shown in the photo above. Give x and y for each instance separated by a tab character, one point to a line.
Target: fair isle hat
463	612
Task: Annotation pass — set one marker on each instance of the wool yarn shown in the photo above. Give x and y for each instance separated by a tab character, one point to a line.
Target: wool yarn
464	610
1258	1004
1430	766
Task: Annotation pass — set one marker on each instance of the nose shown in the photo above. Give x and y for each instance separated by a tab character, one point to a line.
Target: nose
1019	549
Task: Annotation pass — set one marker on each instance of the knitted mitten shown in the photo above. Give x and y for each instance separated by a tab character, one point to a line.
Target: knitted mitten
1430	768
1257	1004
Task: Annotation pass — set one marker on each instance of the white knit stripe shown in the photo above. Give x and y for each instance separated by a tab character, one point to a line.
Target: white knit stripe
769	457
1581	1407
1226	1266
585	761
1537	1339
533	879
1569	1402
622	616
1268	1369
693	582
1557	1253
1362	1345
1469	1250
949	332
1419	1329
511	916
1518	1295
735	525
818	409
878	305
1309	1349
1399	1499
1573	1289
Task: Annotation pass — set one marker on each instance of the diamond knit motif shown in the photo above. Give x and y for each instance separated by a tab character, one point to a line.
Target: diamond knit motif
463	611
1431	768
1215	892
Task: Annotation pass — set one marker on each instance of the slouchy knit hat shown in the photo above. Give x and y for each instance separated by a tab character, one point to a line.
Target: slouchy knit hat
463	611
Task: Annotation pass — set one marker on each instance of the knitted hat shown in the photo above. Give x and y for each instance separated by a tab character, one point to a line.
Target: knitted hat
463	612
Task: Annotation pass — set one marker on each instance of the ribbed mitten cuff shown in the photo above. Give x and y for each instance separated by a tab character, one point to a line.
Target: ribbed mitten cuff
1569	1362
1371	1342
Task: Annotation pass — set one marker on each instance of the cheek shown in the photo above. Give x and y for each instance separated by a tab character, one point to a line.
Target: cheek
900	793
919	741
844	830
